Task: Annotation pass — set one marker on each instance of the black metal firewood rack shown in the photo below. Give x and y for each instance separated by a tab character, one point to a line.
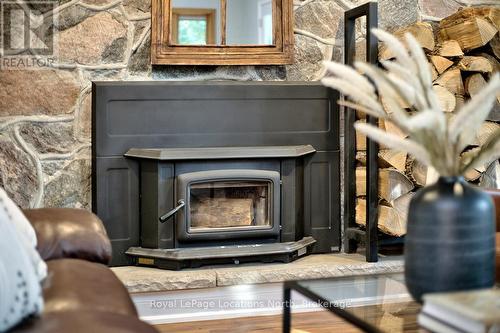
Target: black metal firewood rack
353	235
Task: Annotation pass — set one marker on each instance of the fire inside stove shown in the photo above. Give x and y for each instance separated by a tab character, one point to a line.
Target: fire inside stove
234	205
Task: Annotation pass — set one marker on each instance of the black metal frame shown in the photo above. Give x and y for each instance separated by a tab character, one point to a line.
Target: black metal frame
287	307
184	182
352	234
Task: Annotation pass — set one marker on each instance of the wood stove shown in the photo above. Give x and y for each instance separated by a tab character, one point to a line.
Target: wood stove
193	173
221	201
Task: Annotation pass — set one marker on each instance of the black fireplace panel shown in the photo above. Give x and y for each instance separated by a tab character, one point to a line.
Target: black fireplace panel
246	123
212	114
118	204
157	197
322	197
271	164
292	191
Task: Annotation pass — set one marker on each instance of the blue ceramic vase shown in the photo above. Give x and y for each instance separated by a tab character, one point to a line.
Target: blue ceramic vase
450	242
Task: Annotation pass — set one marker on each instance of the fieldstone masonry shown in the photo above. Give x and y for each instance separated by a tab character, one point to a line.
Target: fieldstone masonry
45	114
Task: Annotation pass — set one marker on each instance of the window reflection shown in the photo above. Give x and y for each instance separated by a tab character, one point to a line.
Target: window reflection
195	22
249	22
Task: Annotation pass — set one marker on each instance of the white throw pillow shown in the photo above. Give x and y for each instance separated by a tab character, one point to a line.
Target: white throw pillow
20	288
25	231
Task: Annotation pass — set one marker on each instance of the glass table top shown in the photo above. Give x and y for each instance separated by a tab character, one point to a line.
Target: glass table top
381	301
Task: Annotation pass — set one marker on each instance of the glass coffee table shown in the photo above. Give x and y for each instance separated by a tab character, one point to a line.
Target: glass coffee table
372	303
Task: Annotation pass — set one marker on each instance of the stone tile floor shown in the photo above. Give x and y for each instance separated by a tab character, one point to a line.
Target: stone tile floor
146	279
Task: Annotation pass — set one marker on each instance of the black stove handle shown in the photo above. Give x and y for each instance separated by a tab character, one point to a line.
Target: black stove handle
180	204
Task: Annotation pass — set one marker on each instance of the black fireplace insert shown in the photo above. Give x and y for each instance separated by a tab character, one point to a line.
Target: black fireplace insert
224	198
193	173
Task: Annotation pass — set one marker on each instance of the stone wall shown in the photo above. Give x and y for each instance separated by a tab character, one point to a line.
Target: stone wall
45	114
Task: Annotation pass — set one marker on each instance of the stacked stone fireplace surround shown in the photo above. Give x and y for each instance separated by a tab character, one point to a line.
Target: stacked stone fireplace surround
45	114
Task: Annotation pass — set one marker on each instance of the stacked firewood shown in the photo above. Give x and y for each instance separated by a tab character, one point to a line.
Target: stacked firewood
463	51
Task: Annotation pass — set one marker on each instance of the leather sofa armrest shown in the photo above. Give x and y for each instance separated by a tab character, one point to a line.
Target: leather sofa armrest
69	233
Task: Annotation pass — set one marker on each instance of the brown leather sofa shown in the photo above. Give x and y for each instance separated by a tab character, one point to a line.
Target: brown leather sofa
496	199
81	293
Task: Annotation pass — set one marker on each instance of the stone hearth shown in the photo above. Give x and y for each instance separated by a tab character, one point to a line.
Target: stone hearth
145	279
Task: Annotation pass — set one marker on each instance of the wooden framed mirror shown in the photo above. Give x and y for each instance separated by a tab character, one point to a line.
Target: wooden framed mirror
222	32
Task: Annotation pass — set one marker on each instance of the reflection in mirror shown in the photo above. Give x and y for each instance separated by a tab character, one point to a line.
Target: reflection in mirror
195	22
249	22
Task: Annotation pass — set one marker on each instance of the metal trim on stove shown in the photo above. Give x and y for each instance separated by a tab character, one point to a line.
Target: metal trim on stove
196	256
175	154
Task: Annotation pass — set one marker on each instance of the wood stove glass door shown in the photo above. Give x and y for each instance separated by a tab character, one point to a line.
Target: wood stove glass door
230	205
225	204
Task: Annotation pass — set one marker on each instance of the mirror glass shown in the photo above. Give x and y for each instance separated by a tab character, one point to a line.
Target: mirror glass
196	22
199	22
249	22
